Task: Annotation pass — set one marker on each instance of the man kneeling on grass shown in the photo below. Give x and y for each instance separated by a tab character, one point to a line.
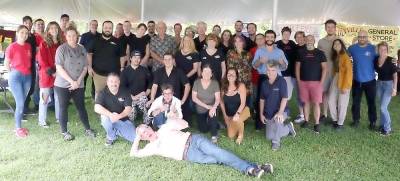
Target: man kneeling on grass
169	141
113	104
273	100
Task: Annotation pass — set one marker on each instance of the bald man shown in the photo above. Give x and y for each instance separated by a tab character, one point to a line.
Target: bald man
310	74
363	54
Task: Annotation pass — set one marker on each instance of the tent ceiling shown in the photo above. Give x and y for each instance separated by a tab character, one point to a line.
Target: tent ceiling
382	12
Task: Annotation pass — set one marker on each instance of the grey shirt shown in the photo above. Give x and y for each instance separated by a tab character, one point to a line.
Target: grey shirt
73	60
207	95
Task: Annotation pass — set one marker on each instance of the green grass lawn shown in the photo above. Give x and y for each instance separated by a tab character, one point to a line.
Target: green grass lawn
354	154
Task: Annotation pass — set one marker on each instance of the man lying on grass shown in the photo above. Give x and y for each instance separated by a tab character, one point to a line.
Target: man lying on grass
169	141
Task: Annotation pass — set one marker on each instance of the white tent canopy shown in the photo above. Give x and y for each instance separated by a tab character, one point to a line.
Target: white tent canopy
383	12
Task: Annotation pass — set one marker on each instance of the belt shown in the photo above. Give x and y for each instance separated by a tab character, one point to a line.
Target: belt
187	147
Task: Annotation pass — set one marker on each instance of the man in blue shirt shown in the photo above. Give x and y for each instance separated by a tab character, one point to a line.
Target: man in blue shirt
363	54
264	54
273	100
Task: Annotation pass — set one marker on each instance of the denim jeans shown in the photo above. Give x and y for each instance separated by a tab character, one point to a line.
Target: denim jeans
43	105
384	93
159	120
202	150
19	86
122	128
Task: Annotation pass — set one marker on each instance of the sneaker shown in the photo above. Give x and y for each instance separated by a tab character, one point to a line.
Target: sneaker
355	124
339	128
21	132
109	142
214	139
256	172
43	124
291	129
334	124
90	133
304	124
299	119
385	133
372	127
268	168
68	136
275	146
316	128
30	112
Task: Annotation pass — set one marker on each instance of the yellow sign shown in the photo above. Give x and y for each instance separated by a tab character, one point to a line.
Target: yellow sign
376	34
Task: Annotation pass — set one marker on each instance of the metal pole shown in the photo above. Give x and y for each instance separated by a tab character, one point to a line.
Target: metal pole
274	15
142	12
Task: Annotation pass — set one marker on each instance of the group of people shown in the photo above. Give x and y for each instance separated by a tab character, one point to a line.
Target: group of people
171	79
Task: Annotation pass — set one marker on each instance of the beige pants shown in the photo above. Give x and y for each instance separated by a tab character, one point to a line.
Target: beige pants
100	82
337	102
237	127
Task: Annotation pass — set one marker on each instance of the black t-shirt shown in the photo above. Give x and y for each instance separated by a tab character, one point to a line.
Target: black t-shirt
139	44
290	50
298	49
310	68
136	80
185	63
214	61
127	40
200	45
177	79
106	55
249	44
32	41
224	49
386	71
114	103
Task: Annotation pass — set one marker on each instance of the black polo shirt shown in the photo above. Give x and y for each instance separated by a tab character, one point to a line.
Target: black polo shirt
114	103
310	67
136	80
106	55
87	37
272	94
185	63
290	50
214	61
177	79
200	45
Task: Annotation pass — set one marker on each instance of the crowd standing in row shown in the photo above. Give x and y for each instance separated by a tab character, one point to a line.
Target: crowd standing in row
172	79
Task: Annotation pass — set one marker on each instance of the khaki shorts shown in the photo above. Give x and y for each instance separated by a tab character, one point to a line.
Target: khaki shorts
100	82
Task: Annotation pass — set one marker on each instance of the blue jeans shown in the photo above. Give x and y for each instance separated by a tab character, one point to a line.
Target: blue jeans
384	93
201	150
120	128
159	120
43	105
19	86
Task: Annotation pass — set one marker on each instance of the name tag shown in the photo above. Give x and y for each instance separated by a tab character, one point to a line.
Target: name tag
189	57
204	58
275	89
367	53
121	99
112	43
217	56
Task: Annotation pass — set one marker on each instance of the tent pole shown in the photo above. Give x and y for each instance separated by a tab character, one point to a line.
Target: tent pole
274	15
142	12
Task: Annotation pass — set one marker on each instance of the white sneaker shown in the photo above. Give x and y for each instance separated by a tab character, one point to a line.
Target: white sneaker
43	125
299	119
